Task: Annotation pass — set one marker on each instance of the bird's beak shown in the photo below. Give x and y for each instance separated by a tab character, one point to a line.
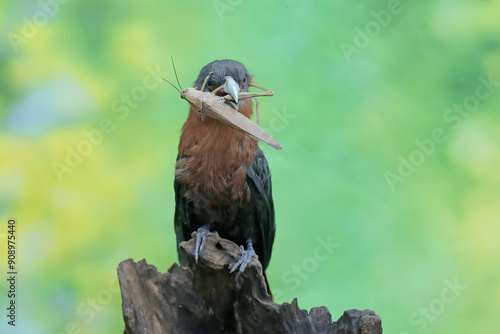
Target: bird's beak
232	88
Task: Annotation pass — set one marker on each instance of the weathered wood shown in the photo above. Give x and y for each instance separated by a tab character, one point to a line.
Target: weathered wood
205	298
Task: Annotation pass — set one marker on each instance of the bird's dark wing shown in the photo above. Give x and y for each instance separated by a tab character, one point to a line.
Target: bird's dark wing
181	216
259	181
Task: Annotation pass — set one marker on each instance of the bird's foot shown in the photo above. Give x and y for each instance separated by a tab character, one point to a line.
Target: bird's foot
201	237
245	259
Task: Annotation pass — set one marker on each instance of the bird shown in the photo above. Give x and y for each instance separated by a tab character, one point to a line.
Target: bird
222	180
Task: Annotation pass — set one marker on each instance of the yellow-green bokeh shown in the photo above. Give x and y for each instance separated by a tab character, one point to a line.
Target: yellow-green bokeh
362	89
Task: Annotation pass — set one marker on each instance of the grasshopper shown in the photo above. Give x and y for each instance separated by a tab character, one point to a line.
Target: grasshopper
218	107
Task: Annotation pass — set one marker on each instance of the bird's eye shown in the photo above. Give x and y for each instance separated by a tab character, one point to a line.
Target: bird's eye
245	80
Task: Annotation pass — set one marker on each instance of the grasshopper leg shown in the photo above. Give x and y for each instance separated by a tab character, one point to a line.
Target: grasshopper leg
265	90
205	81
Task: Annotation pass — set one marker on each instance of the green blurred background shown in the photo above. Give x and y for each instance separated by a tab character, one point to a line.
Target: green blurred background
390	134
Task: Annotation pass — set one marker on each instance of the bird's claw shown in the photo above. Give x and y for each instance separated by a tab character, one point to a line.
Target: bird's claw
245	259
201	237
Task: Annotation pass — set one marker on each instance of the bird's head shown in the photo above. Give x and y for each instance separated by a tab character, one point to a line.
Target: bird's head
227	77
228	73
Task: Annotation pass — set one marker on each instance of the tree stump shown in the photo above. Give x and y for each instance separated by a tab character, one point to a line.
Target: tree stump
206	298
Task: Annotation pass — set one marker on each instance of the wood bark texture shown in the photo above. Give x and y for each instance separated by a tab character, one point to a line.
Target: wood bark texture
206	298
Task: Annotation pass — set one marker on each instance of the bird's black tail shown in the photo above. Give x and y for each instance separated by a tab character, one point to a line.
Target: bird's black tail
267	285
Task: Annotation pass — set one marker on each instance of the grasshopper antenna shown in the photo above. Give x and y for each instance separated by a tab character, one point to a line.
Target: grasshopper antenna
177	89
175	77
173	65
